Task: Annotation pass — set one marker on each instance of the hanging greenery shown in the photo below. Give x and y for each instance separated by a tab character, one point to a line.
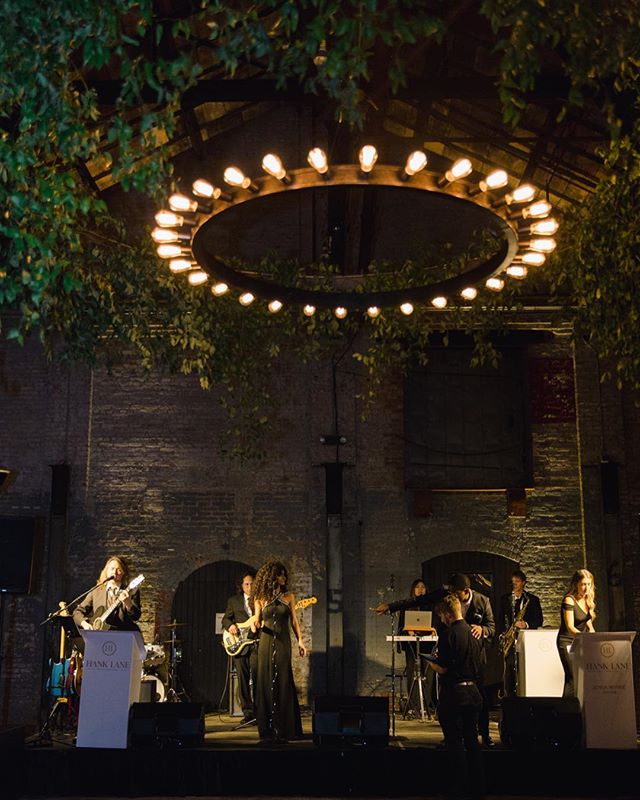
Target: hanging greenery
69	272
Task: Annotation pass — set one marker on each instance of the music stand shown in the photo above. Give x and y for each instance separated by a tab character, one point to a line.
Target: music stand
70	627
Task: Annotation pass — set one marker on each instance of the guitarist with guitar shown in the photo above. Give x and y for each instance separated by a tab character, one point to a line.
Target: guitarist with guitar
114	604
245	655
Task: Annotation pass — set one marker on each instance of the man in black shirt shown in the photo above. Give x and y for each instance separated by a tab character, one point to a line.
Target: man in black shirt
458	664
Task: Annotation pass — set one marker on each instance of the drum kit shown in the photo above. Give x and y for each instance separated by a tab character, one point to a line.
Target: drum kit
160	668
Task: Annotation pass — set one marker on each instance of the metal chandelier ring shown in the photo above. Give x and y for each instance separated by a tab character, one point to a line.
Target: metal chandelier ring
351	175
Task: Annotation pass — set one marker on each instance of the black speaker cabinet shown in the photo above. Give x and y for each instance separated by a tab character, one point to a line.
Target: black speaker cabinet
351	721
166	725
541	722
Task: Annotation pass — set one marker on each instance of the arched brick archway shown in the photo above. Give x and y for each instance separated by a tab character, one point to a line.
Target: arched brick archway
490	574
198	598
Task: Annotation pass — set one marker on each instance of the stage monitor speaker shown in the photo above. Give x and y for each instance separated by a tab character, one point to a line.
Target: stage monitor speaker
351	721
541	722
166	725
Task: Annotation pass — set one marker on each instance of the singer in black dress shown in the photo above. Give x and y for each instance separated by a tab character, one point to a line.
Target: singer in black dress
576	616
276	699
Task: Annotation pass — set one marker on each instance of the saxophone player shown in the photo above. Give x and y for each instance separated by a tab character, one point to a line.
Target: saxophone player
519	609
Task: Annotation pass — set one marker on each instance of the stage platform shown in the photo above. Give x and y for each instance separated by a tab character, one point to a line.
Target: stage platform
233	763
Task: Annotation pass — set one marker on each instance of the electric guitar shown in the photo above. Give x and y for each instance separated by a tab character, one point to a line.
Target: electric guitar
236	643
59	681
99	622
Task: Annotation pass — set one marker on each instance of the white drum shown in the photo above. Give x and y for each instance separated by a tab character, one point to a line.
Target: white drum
153	684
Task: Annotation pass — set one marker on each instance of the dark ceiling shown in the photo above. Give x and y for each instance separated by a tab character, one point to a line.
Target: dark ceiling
449	107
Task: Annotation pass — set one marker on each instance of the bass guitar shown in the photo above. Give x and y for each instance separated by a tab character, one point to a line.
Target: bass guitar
99	622
236	643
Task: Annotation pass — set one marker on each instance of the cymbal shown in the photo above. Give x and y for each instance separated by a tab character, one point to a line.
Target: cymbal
170	641
172	624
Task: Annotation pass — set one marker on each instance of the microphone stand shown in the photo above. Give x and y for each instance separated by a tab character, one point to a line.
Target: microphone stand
393	675
58	612
62	702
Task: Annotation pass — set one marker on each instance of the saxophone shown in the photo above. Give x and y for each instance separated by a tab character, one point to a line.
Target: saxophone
508	637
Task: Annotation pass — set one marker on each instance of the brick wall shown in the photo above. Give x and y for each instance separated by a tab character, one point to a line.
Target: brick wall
148	480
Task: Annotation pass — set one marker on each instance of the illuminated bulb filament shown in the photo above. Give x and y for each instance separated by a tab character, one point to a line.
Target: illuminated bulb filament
246	299
517	271
340	312
543	245
367	156
236	177
197	277
180	202
406	309
275	306
461	168
317	158
533	259
469	293
537	210
164	235
169	250
218	289
272	165
439	302
495	180
495	284
203	188
416	162
373	312
167	219
545	227
521	194
309	311
180	264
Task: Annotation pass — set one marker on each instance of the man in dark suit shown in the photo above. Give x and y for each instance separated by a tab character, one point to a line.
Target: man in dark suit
246	663
512	614
478	614
111	588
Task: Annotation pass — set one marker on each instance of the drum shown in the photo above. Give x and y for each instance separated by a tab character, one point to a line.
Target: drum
155	656
152	687
76	671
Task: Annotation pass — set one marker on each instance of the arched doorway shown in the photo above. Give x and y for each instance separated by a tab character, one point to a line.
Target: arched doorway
490	574
198	598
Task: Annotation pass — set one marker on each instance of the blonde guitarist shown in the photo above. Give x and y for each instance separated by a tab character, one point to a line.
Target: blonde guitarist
110	591
239	610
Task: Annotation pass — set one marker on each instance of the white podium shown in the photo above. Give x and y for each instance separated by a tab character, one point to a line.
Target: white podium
603	677
540	672
111	673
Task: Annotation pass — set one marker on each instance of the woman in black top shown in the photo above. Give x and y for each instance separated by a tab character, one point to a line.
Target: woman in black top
577	613
411	649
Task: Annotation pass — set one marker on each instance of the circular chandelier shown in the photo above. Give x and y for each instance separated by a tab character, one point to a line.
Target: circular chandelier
522	221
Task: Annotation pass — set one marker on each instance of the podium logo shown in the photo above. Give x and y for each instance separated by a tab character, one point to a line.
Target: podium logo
607	650
109	648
